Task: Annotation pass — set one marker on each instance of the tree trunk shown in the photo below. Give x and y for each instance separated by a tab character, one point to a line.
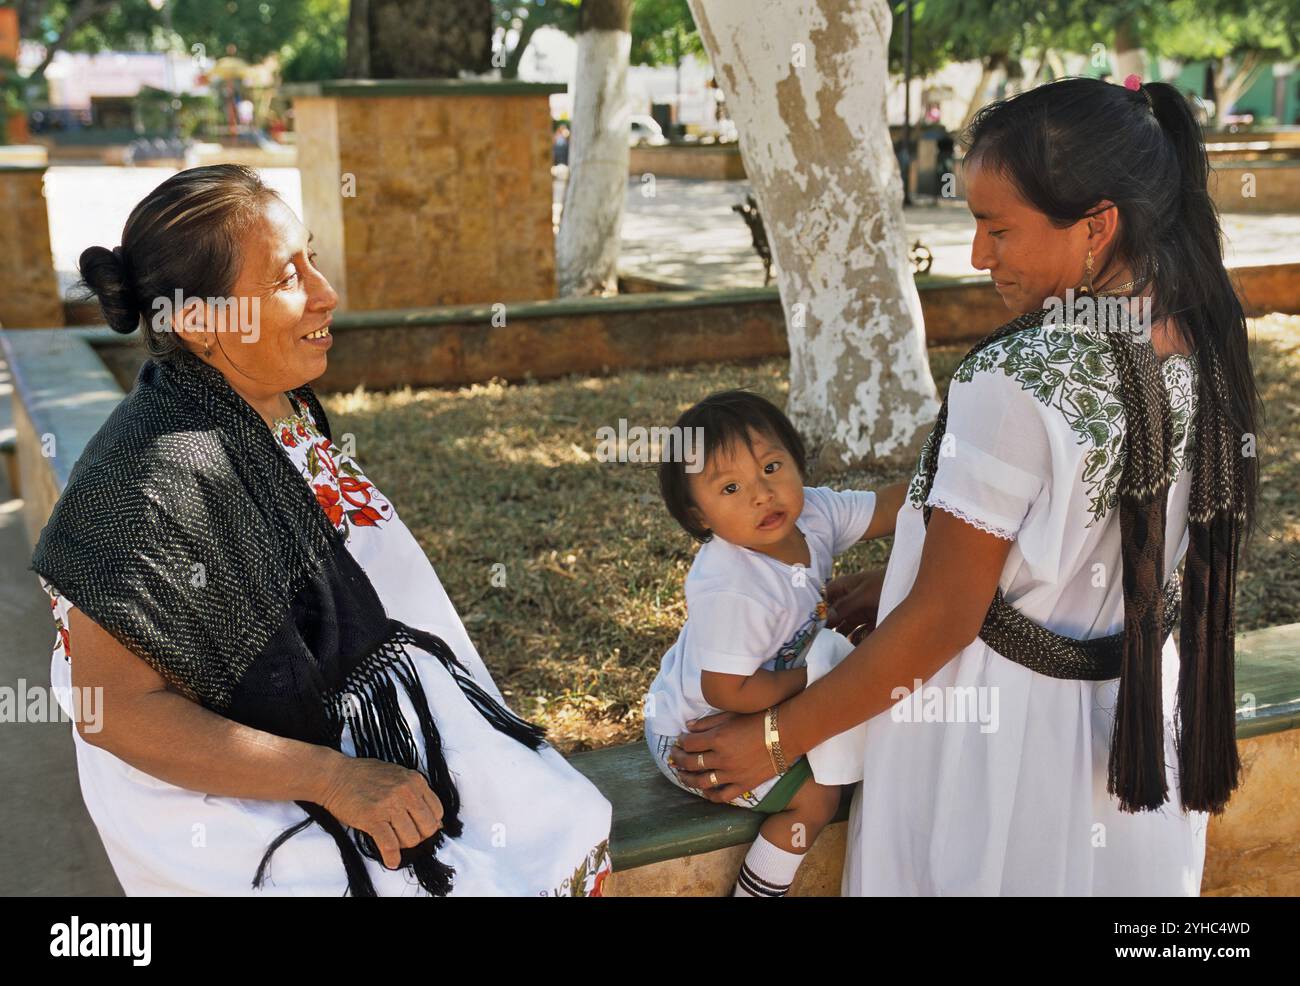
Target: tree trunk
805	81
357	65
989	67
425	39
1227	93
1037	78
1056	63
591	225
511	68
1130	56
83	13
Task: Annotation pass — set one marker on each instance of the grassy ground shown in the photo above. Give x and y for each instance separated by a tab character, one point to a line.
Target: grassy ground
500	485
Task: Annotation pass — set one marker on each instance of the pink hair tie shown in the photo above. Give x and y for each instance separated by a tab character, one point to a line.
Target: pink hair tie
1133	82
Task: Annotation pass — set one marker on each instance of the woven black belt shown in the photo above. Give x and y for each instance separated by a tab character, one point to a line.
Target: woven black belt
1018	638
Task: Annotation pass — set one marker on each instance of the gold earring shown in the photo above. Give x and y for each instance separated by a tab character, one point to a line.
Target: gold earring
1086	288
207	348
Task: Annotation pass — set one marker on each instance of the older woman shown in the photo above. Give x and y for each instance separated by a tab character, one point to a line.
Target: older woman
1061	743
291	704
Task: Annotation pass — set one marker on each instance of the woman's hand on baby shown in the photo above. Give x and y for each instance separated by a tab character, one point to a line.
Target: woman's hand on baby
854	600
734	755
393	805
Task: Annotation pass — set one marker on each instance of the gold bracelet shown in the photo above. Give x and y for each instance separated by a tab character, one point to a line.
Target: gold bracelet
772	740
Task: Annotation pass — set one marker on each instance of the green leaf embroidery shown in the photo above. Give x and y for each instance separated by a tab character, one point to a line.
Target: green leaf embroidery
1073	372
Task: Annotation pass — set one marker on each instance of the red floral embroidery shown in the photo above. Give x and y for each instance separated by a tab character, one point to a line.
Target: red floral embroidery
366	516
354	490
63	642
328	498
344	494
326	458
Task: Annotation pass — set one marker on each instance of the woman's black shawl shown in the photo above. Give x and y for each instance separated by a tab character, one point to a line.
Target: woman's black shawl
187	533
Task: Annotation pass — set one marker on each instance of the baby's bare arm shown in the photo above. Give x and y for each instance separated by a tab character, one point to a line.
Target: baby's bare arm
889	500
752	693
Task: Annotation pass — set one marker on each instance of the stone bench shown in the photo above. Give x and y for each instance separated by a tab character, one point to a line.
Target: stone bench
668	842
665	841
8	433
61	393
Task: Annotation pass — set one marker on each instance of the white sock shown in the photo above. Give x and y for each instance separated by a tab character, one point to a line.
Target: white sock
768	871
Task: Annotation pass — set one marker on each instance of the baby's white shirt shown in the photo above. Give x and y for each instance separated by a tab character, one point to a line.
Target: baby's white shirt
747	611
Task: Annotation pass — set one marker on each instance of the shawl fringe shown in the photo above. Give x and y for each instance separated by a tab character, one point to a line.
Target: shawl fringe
368	707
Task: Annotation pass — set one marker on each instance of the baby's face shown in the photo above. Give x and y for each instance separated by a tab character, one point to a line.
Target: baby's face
750	497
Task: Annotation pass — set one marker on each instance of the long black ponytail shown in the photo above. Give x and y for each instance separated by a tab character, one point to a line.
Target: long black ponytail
1197	284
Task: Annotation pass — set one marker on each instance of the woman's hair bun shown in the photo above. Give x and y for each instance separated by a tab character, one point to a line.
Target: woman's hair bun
105	276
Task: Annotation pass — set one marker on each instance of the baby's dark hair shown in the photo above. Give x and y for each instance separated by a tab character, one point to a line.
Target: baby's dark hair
723	419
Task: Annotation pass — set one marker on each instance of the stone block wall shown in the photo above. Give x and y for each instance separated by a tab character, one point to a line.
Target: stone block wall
1275	186
29	289
433	198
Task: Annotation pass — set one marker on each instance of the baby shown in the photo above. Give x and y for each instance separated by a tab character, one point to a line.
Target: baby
755	599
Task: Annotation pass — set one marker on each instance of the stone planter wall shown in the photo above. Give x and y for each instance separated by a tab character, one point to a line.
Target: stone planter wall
428	192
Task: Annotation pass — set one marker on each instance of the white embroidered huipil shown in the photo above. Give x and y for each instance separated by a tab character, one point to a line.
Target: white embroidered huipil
533	825
1016	803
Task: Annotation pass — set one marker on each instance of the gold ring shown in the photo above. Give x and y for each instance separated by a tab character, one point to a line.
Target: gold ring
699	760
713	778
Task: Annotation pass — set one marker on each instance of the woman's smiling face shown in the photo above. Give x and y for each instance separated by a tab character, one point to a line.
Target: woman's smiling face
261	341
1028	257
750	497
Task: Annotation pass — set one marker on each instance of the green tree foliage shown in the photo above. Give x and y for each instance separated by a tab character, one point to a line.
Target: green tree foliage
247	29
526	19
318	49
663	32
1239	38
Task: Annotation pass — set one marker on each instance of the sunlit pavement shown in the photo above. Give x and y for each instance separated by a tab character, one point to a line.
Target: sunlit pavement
50	847
674	229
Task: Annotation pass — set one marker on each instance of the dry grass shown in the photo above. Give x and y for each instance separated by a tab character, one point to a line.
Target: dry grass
1268	583
593	566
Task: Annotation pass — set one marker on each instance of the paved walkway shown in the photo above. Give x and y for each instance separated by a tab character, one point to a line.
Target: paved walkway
685	232
50	846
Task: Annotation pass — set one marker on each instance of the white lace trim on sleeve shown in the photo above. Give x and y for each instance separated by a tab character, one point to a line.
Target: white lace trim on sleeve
961	515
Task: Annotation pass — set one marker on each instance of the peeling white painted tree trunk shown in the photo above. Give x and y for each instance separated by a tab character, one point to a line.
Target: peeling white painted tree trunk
805	81
1132	61
591	225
